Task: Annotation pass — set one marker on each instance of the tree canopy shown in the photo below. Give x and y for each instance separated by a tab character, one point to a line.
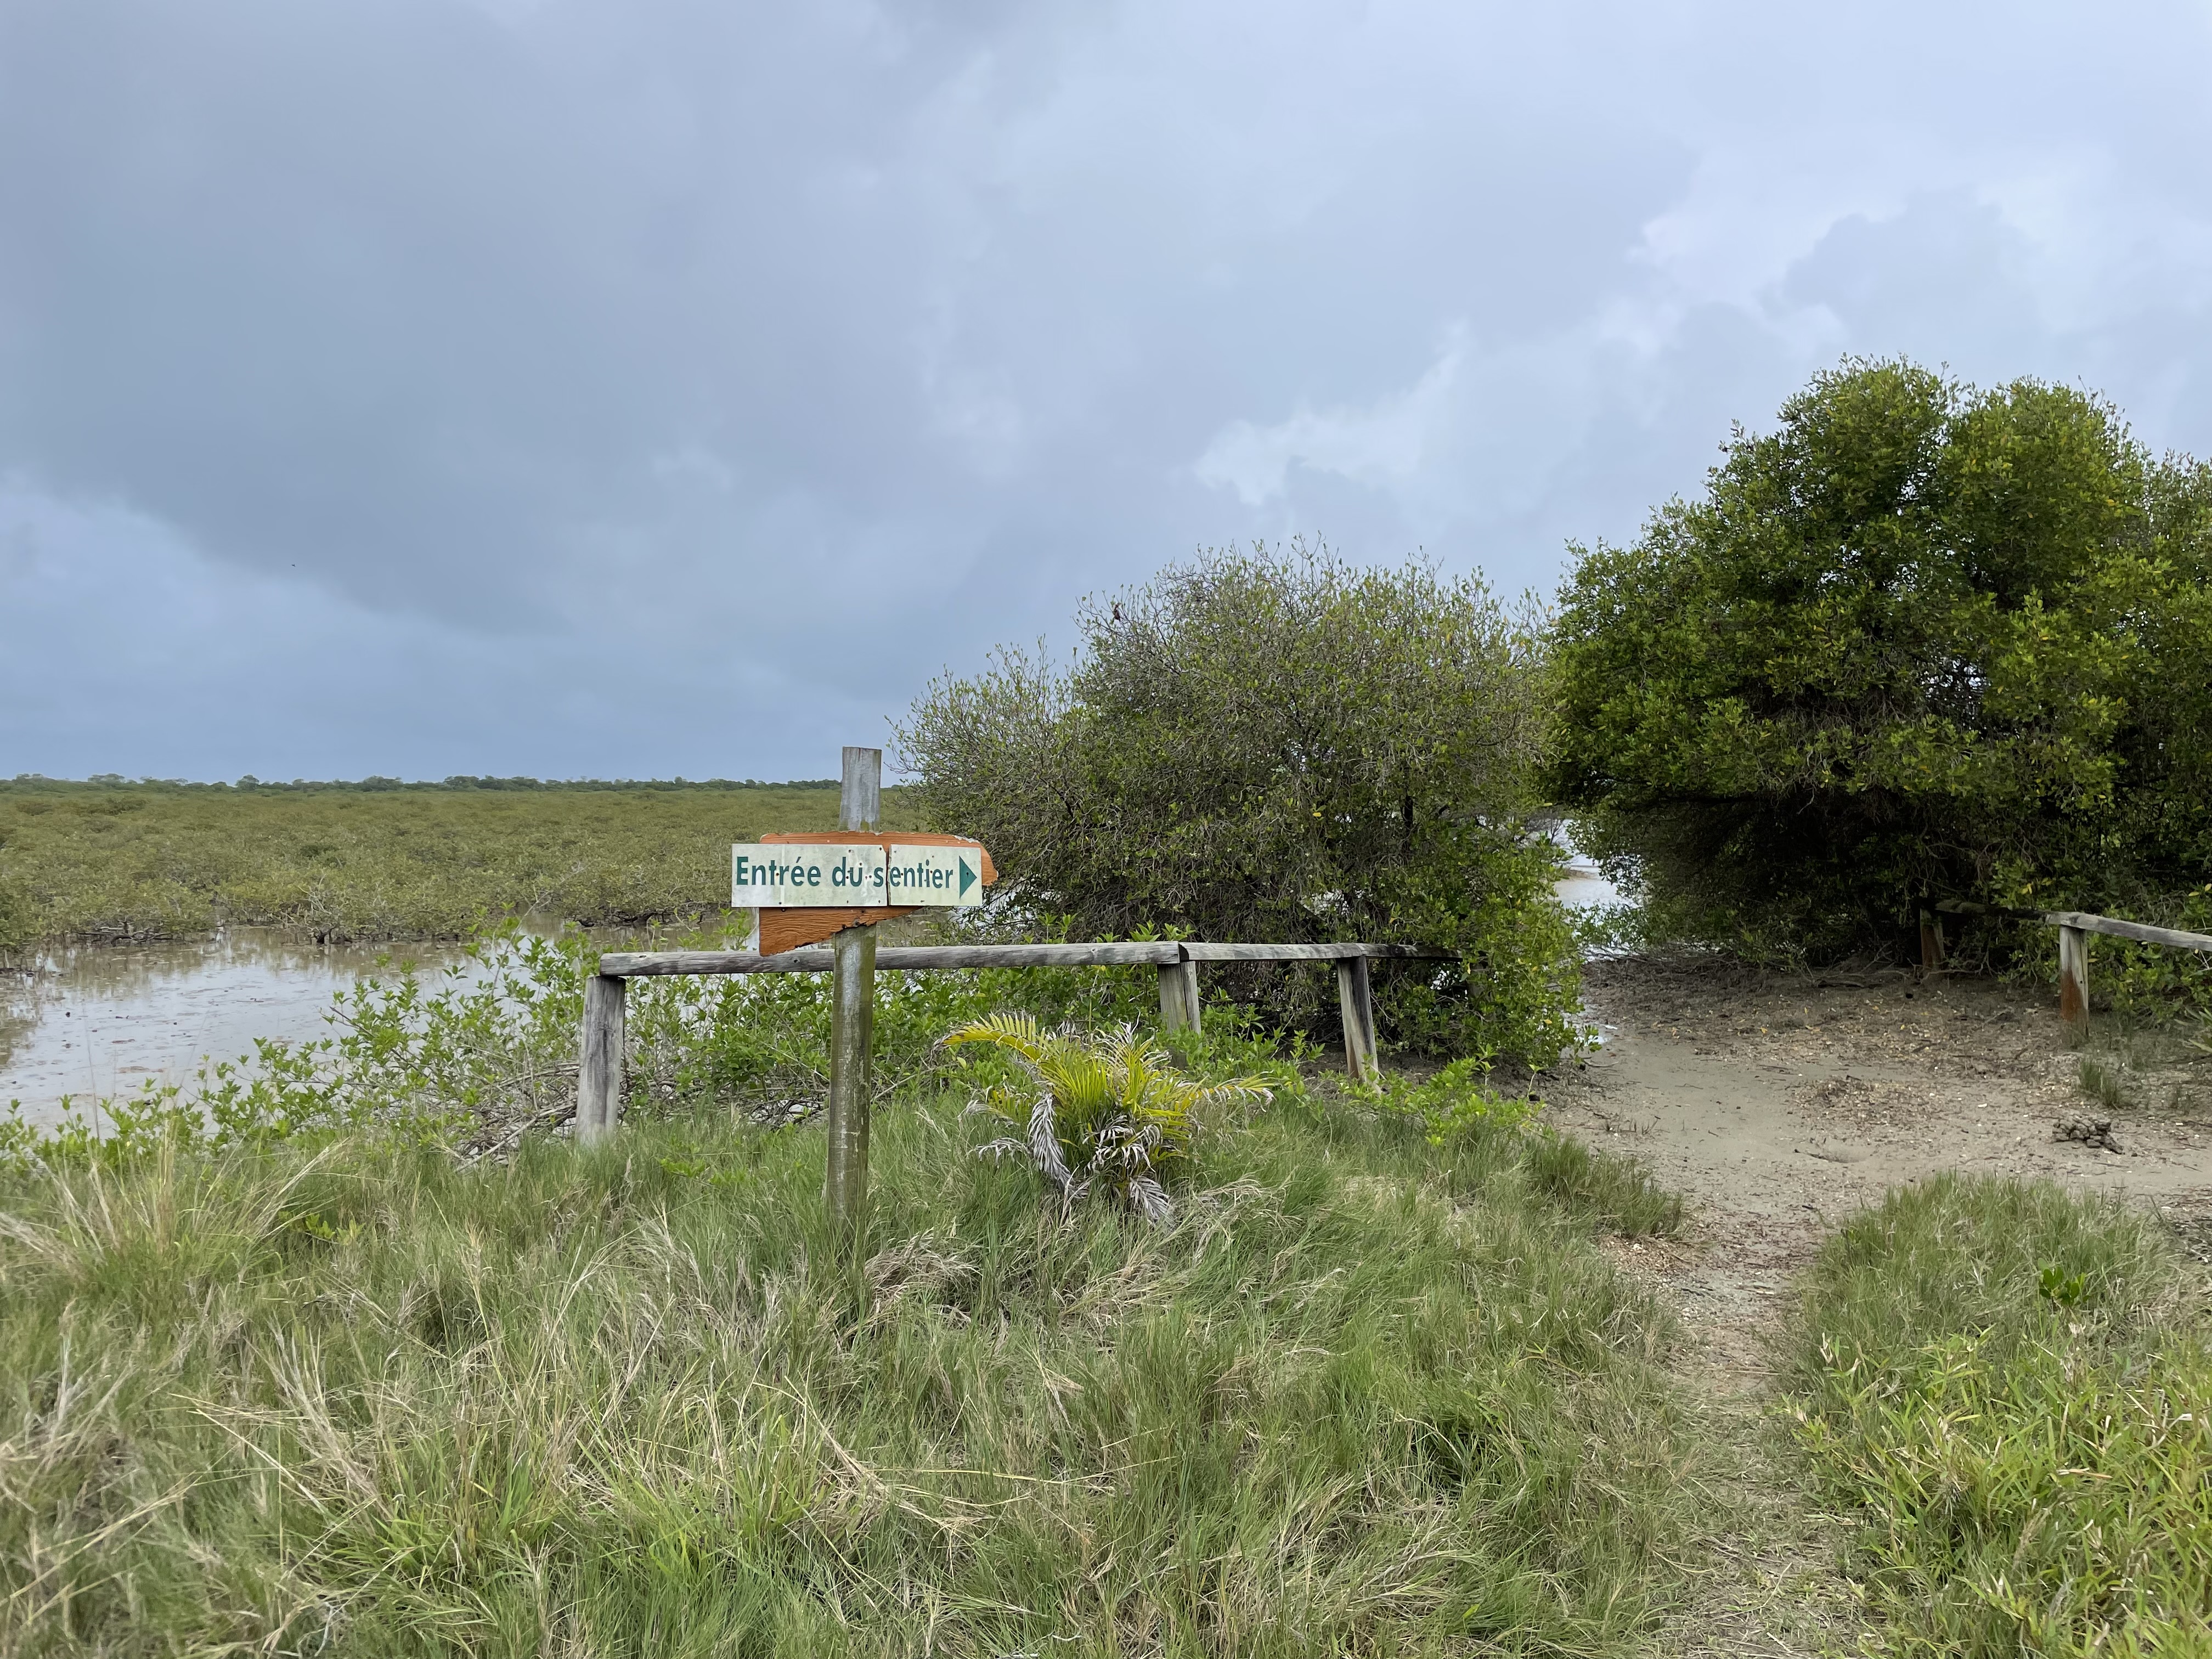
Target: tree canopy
1923	641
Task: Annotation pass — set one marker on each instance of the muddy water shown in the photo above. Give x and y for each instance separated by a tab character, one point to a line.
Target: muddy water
1585	887
99	1020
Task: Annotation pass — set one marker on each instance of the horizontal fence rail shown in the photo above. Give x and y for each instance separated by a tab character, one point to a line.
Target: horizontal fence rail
2140	931
2074	928
815	958
600	1083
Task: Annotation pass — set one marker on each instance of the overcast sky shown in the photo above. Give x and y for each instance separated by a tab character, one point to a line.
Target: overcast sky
645	387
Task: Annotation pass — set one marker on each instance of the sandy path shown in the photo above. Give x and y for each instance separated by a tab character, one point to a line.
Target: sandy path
1778	1106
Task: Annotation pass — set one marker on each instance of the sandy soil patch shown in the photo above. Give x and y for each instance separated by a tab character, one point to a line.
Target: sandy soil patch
1779	1106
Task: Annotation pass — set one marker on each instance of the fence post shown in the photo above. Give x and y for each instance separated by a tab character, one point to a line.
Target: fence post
1173	1016
852	1015
599	1070
1931	941
1355	1000
2073	977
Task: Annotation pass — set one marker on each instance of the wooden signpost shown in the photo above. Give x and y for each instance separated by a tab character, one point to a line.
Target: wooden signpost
837	885
807	888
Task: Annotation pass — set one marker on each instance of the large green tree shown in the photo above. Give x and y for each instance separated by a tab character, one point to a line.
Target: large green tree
1922	641
1279	747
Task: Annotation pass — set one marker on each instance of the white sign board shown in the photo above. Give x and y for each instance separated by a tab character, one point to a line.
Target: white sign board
935	875
781	877
774	876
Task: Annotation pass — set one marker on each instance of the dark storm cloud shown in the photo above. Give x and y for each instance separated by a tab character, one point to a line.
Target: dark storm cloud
373	373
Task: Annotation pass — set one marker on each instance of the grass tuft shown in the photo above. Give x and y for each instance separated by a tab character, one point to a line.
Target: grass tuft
1996	1377
1616	1192
2102	1084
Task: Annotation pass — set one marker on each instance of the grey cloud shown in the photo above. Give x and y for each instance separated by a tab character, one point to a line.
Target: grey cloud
416	343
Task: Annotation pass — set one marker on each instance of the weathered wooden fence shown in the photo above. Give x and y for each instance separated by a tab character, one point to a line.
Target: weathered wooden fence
2074	928
600	1083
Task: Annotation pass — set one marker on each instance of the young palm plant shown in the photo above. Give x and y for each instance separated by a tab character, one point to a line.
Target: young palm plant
1110	1114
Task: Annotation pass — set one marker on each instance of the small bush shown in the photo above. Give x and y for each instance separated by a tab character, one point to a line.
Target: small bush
1109	1113
1455	1101
1282	748
1993	1375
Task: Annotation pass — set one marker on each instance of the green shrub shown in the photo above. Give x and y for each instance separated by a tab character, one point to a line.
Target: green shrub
1281	748
1921	642
1994	1376
1454	1100
478	1051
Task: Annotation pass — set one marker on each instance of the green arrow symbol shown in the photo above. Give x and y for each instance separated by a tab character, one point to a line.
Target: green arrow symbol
967	878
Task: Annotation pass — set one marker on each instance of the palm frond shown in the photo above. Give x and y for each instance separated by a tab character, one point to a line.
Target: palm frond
1044	1142
1017	1033
1112	1111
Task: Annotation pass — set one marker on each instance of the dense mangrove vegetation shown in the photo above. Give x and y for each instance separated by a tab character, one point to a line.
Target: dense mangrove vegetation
111	860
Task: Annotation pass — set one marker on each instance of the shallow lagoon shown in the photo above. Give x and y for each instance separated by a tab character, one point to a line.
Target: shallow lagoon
101	1020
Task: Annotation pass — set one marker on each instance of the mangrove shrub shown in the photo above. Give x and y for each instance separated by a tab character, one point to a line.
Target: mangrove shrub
1279	746
1923	641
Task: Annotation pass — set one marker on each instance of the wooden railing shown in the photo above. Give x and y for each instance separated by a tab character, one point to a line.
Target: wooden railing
2074	928
600	1083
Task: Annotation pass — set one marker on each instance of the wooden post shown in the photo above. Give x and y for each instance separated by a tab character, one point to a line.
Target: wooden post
853	1016
2073	977
1171	1014
1355	1000
1931	942
860	799
1178	1004
599	1074
851	1038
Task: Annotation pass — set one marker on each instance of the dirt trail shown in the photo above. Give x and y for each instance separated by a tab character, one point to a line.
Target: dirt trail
1779	1106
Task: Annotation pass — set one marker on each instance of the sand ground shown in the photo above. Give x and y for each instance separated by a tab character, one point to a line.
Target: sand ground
1779	1105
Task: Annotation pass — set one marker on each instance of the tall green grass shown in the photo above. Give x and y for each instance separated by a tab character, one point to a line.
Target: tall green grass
1366	1394
2003	1382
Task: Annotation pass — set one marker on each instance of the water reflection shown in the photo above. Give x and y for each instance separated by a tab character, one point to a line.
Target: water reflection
1584	886
97	1020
